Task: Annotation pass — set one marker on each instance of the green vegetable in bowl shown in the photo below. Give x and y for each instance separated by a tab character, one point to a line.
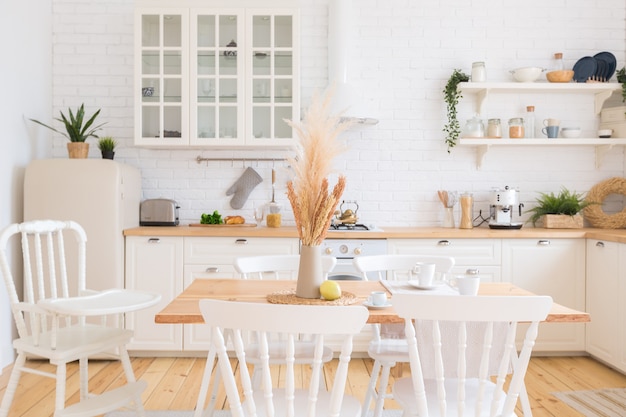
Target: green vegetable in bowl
215	218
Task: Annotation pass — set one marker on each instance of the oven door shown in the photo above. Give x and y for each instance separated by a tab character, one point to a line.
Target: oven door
344	270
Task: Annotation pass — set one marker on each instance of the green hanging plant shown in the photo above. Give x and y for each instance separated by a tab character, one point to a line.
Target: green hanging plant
451	97
621	78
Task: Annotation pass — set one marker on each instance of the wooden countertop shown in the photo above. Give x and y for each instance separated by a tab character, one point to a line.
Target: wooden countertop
613	235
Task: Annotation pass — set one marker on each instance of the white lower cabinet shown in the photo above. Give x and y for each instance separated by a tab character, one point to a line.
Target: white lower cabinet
154	264
214	257
606	336
167	265
554	267
481	254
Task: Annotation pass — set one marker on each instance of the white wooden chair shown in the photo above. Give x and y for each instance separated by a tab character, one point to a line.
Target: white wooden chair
387	351
472	390
280	267
52	316
276	266
291	399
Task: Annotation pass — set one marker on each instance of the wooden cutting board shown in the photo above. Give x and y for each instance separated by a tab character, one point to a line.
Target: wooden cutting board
223	225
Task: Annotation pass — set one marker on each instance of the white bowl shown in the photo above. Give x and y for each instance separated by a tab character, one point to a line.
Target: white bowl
527	74
605	133
570	132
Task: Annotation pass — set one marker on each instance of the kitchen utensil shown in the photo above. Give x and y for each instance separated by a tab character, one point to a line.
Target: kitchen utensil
348	216
563	76
273	206
527	74
501	208
158	212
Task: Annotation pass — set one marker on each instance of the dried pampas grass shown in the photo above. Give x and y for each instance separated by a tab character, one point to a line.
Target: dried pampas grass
312	203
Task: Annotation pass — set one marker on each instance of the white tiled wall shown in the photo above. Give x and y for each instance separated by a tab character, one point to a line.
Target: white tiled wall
404	51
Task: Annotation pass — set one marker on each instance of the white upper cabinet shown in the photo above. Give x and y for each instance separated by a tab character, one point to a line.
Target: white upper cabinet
216	77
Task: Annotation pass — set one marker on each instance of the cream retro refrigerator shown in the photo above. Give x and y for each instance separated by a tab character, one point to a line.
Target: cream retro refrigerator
101	195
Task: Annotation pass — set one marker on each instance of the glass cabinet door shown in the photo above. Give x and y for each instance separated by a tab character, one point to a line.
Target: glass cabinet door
273	81
217	85
162	78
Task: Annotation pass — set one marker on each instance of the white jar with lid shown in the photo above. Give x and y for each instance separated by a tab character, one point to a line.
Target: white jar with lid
494	128
479	73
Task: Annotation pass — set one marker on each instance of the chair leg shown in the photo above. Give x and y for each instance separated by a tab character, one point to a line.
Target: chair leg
14	379
83	371
61	376
371	389
130	377
204	386
382	389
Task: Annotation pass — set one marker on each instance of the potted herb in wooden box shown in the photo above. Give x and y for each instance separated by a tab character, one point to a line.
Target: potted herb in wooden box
561	211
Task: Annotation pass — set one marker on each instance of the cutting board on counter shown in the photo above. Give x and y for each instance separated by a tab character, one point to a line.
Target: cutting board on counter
223	225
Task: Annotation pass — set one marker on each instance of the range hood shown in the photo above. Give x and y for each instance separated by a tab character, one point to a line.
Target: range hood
346	98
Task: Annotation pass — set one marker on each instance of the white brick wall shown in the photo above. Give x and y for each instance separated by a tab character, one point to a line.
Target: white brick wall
404	51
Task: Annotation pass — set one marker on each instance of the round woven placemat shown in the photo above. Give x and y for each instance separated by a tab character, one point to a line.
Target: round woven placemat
289	297
594	213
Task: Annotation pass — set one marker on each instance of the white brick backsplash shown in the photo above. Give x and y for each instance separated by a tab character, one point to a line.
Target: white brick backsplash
403	52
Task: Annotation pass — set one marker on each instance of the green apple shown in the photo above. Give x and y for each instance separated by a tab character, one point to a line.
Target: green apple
330	290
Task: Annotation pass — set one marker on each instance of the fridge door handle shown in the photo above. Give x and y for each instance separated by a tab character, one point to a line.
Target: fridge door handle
154	240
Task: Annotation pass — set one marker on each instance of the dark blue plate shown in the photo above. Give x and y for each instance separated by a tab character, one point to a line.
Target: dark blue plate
584	69
610	63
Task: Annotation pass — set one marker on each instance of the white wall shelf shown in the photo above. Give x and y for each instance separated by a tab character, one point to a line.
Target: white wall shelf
602	146
602	91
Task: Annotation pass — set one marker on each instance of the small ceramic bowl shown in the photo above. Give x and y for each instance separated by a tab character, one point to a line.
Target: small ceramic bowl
605	133
570	132
527	74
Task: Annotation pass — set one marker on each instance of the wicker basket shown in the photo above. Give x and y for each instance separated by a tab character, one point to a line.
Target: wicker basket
562	221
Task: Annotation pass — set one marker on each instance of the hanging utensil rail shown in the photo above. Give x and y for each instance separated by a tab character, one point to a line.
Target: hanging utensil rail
200	159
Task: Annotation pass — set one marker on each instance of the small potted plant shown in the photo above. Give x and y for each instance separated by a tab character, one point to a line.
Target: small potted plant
77	130
559	211
107	145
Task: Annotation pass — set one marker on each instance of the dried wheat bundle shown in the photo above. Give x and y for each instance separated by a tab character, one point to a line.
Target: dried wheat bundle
312	203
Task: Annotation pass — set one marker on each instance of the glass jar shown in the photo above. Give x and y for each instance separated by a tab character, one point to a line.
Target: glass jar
474	128
467	211
558	61
479	73
530	122
494	128
516	128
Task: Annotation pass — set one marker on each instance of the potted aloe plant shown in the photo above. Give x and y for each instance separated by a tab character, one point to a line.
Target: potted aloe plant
77	130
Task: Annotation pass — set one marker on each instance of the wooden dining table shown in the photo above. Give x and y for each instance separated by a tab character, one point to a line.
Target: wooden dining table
184	309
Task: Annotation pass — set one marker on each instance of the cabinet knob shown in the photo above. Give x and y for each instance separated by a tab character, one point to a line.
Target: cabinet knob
599	244
443	243
241	242
328	251
543	242
212	269
154	240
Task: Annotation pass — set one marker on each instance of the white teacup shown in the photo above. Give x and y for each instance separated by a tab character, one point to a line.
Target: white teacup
425	273
377	298
466	285
551	122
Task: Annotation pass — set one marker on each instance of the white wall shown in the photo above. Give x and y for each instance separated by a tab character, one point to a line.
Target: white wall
26	92
404	51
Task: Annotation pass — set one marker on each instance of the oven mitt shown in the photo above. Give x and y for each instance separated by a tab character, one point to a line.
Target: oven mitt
243	187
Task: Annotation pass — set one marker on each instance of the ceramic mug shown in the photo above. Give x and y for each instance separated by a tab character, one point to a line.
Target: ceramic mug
378	298
551	131
425	273
551	122
465	284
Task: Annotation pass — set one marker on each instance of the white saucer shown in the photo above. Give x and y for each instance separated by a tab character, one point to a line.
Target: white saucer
415	283
373	307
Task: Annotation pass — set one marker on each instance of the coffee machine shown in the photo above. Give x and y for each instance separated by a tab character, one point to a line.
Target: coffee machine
502	204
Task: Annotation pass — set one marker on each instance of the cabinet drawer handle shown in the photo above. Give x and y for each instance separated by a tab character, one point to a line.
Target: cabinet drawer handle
443	243
241	241
543	242
212	269
154	240
599	244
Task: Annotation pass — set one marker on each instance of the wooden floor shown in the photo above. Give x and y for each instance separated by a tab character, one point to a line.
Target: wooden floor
173	383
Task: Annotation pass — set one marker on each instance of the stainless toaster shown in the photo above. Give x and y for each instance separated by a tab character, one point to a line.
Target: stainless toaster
158	212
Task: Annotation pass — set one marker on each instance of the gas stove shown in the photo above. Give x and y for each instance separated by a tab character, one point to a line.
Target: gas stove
343	226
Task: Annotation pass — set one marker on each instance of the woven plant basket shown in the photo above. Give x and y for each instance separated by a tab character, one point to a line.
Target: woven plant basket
78	150
562	221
